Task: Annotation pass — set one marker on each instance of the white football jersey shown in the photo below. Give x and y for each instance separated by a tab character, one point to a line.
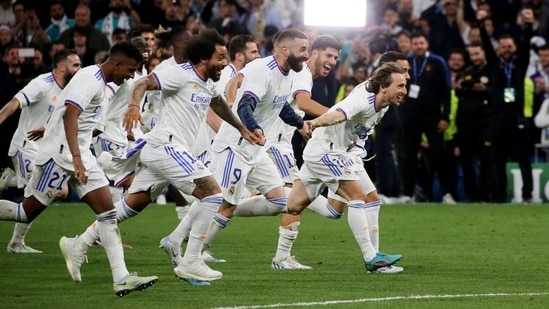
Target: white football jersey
271	86
361	117
226	74
205	133
115	106
37	101
85	91
185	97
281	136
154	97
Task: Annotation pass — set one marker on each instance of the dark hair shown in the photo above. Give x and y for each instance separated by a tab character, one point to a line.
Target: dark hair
406	33
202	45
382	76
418	34
543	47
139	29
238	44
62	55
288	34
126	49
506	36
392	56
325	41
377	46
476	44
172	35
119	31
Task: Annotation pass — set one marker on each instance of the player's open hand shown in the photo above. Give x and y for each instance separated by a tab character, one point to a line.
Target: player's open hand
36	134
132	119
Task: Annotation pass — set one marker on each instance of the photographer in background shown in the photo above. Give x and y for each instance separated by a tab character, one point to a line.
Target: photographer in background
472	121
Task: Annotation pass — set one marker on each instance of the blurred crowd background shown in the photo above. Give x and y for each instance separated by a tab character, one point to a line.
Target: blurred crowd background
467	165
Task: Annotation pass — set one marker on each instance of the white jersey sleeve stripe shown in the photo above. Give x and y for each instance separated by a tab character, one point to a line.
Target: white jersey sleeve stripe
157	81
252	94
26	98
344	113
75	104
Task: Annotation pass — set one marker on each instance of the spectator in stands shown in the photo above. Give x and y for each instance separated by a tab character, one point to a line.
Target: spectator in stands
81	45
119	35
6	13
228	22
403	42
509	123
425	111
59	21
95	38
257	17
472	122
121	16
408	19
175	13
19	12
145	31
6	39
445	26
151	12
32	34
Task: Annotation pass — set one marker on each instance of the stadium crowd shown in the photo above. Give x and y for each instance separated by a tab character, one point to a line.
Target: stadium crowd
456	132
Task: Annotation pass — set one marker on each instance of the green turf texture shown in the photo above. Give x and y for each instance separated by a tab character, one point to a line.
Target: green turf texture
467	249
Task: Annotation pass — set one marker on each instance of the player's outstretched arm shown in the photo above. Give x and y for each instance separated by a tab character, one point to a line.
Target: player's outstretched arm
133	118
220	107
8	109
328	119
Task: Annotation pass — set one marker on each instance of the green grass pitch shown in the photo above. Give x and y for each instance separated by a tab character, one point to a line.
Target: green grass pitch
461	256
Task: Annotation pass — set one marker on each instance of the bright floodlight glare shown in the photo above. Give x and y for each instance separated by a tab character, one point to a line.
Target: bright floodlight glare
335	13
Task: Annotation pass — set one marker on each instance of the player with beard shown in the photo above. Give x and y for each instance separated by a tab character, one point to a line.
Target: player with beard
262	98
37	100
327	162
242	50
187	90
65	157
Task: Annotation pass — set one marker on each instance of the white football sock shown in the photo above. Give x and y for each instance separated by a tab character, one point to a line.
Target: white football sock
358	223
256	205
184	227
372	215
91	235
321	206
208	206
218	223
182	211
19	232
10	211
112	243
286	237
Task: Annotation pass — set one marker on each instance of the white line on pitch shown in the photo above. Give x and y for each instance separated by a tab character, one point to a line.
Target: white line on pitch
380	299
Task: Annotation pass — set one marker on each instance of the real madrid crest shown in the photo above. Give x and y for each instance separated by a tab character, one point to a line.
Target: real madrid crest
346	171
